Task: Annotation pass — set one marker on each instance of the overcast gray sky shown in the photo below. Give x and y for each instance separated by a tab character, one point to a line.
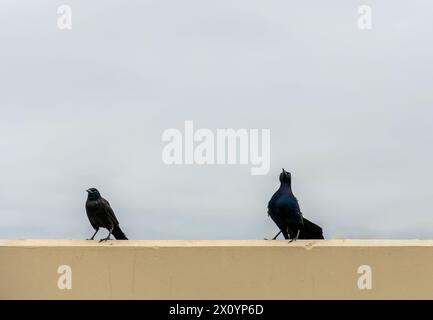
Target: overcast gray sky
350	113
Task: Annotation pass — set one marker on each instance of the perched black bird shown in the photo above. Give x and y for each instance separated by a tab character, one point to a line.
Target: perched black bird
101	215
285	212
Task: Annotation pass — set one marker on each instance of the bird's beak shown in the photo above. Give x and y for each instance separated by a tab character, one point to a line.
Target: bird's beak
284	171
88	190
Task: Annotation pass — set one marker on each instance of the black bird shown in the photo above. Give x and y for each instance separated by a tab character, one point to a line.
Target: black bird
285	212
101	215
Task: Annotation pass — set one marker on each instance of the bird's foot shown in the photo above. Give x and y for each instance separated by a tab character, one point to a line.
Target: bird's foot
295	238
104	239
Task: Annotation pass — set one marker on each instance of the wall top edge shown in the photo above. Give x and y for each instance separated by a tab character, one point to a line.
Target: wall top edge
219	243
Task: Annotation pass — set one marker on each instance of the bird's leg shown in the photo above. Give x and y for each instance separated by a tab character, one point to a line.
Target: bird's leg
297	236
108	237
275	236
94	234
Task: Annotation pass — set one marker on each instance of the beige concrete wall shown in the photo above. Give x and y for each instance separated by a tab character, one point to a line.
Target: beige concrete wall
216	269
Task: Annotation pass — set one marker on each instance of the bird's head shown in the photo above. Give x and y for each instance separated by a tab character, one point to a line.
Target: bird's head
93	194
285	177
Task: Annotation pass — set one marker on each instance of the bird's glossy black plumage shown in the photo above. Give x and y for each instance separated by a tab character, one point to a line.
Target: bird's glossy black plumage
284	210
101	215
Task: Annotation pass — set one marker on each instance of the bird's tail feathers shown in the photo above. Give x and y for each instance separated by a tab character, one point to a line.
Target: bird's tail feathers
311	230
118	233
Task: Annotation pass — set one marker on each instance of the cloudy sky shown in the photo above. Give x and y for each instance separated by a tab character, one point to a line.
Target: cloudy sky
350	113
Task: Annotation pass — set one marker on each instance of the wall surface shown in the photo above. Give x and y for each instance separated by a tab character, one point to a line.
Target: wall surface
331	269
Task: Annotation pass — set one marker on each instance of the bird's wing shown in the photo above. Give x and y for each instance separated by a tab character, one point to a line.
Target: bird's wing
109	211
